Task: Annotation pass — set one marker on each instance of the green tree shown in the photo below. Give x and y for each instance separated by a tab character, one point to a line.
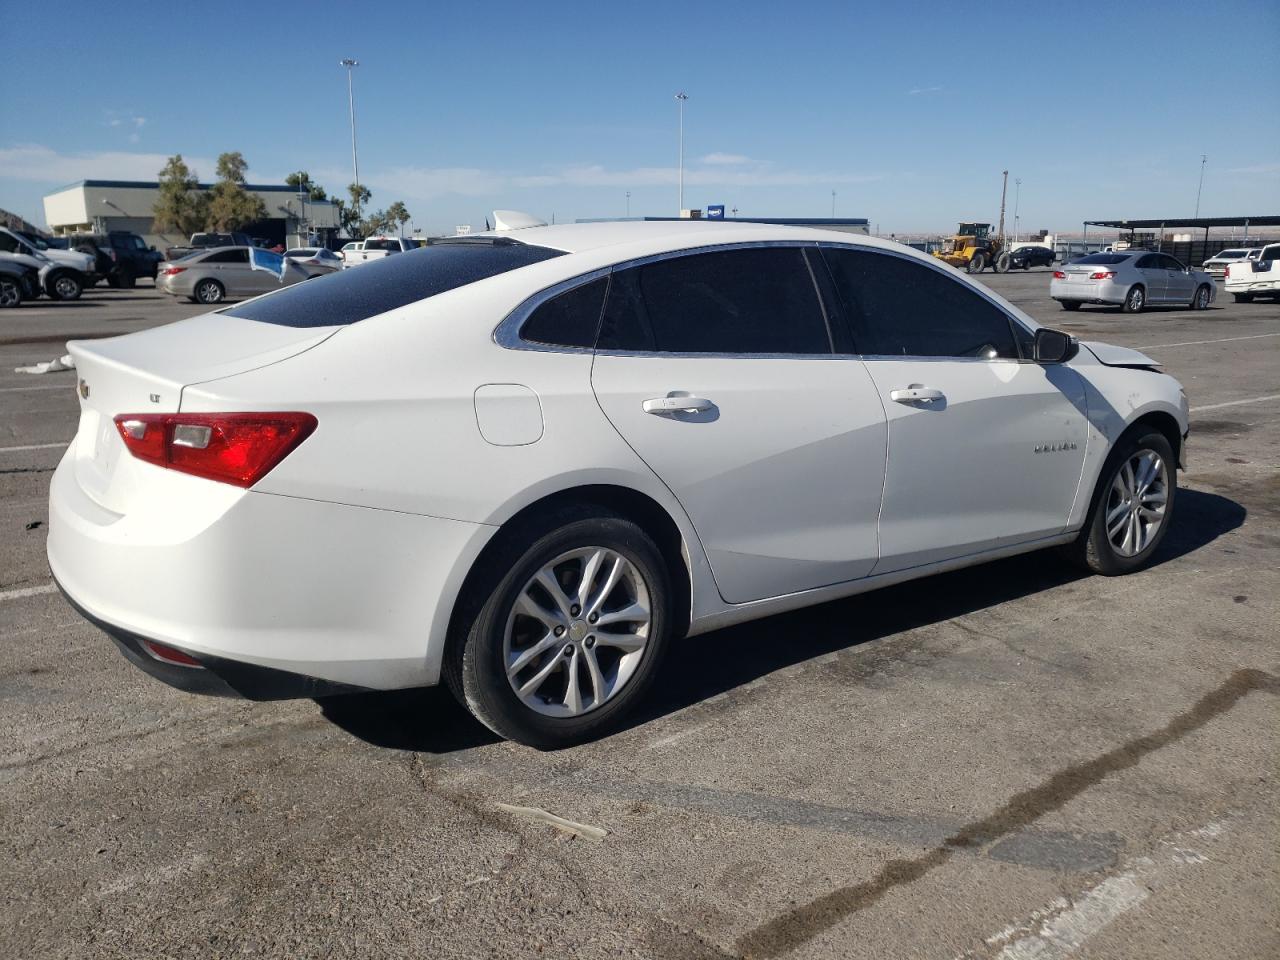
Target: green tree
181	206
303	180
398	215
231	206
360	195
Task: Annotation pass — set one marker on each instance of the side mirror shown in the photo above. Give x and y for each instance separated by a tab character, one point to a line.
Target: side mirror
1054	346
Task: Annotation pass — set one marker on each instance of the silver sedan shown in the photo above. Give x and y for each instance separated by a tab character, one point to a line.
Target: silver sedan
228	273
1131	280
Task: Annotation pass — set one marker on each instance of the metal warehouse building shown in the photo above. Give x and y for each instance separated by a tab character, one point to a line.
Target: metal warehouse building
97	206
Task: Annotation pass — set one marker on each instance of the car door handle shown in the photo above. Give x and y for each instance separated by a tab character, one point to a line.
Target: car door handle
661	405
916	394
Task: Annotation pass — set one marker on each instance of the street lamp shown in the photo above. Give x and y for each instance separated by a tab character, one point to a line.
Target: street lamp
1017	195
351	103
681	97
628	204
1203	158
833	204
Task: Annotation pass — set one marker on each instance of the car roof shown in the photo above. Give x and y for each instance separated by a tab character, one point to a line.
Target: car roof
673	235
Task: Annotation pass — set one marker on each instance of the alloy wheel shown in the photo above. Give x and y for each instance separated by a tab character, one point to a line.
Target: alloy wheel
1202	298
1135	299
1136	503
577	632
65	288
10	296
208	292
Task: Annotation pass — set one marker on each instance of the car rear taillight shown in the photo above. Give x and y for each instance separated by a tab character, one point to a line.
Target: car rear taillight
1102	275
173	271
1059	275
112	255
235	448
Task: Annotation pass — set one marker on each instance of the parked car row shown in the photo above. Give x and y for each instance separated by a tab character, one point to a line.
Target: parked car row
1131	280
62	274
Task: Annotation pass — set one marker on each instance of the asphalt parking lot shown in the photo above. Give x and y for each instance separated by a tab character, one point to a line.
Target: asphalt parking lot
1011	761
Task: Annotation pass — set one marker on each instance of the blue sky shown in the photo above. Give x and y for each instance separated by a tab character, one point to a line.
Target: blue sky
909	111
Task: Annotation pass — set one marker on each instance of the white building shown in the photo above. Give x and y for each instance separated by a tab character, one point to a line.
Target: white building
97	206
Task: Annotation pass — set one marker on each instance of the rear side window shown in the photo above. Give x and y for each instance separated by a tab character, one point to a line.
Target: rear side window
754	301
899	308
349	296
228	256
570	319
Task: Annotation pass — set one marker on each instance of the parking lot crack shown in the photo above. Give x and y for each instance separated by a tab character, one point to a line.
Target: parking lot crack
801	924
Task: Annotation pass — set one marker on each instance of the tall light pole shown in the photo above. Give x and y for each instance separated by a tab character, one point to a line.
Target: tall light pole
833	204
628	204
351	103
681	97
1017	196
1203	158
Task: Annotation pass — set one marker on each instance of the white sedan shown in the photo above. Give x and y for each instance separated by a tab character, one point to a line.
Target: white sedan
529	462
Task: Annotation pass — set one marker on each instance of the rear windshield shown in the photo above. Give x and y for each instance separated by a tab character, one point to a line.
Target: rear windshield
1230	254
1104	258
381	285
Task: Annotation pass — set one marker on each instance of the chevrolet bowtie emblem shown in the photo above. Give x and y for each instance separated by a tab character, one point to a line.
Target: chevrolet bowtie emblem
84	390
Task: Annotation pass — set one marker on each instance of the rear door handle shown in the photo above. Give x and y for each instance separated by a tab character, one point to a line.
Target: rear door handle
916	394
661	405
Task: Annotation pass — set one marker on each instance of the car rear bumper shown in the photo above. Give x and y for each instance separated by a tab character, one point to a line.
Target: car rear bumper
313	593
1088	291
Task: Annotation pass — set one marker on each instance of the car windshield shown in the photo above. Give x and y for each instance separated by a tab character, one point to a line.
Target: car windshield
1105	258
349	296
300	253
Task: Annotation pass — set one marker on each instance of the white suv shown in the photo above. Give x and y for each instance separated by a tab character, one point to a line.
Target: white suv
377	248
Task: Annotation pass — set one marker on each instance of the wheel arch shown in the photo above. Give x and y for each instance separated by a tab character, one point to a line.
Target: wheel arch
639	507
1164	422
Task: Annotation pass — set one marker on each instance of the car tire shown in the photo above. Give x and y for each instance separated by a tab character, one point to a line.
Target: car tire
10	293
208	291
113	281
1135	299
977	264
1242	297
1069	304
508	613
64	286
1112	514
1201	299
127	280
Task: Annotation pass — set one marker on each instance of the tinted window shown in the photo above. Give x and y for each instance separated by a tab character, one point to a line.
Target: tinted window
1170	263
1149	262
349	296
569	320
8	244
228	256
301	254
755	301
1270	253
1104	258
901	308
392	245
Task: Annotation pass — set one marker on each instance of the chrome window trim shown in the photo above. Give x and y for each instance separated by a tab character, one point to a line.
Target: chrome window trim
507	333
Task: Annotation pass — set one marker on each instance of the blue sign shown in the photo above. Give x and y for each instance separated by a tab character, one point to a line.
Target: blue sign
715	211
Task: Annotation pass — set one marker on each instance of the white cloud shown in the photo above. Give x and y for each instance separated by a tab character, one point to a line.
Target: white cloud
919	90
1260	168
725	159
41	164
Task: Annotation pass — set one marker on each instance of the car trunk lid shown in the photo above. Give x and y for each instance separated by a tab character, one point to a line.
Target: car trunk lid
146	373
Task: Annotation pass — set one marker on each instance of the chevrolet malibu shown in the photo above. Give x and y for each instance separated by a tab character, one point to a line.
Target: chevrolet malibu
528	463
1132	280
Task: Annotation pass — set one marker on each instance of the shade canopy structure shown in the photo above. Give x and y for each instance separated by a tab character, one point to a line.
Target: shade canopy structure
1194	223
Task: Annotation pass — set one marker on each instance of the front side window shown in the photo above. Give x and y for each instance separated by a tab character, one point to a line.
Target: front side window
1171	263
8	243
752	301
1149	262
899	308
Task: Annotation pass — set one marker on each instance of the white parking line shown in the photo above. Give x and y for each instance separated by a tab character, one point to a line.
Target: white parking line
28	592
33	446
1197	343
45	386
1061	928
1235	403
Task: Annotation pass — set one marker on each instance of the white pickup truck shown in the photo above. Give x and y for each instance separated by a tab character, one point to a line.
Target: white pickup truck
375	248
1247	279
